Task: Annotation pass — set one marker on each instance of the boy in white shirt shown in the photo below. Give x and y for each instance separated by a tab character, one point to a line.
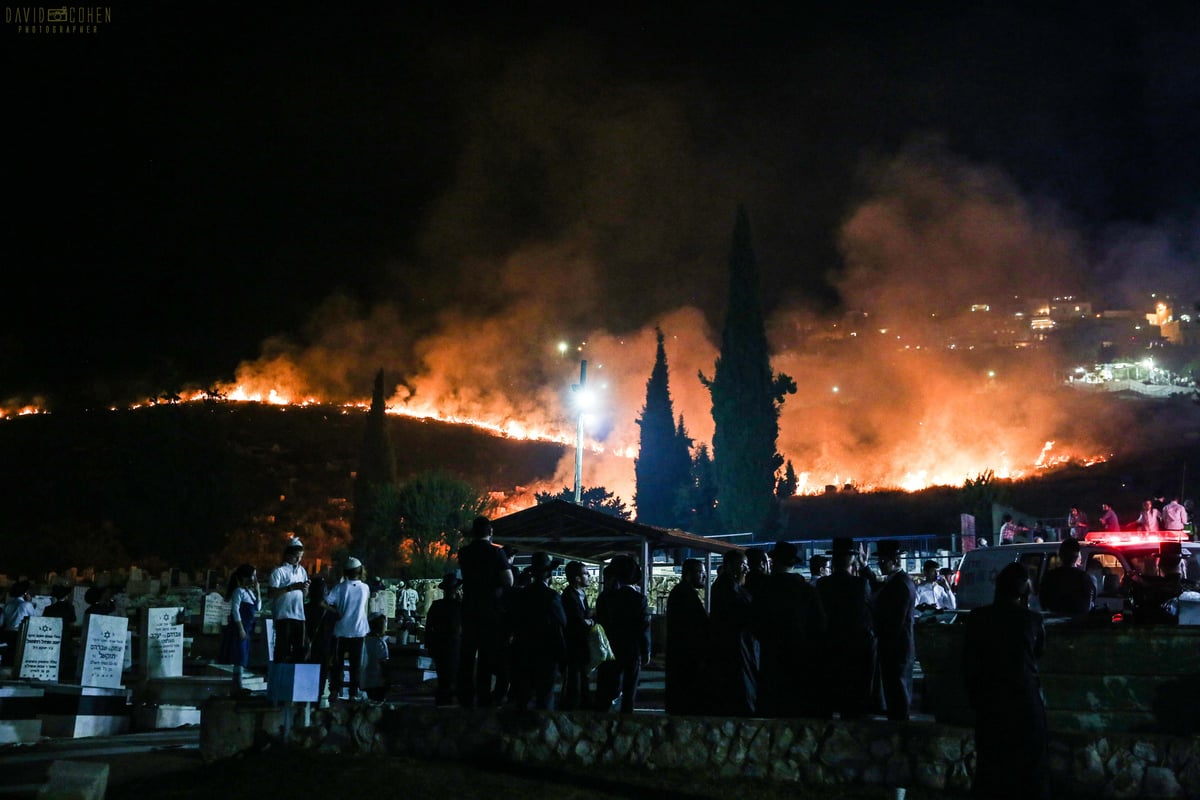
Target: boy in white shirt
348	600
286	588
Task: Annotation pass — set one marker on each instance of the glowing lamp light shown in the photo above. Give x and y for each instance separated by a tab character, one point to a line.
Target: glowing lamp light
585	399
1148	363
562	348
836	390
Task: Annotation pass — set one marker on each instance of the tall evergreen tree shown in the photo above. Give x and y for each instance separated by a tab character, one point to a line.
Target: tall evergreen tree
787	485
663	465
700	498
376	463
746	397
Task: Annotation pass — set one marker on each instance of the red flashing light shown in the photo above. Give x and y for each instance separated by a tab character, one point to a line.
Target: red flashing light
1119	538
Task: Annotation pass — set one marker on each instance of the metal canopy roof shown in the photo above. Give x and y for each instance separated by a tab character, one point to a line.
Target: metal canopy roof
583	534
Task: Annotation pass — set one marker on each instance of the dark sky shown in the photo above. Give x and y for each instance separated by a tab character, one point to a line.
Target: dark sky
192	180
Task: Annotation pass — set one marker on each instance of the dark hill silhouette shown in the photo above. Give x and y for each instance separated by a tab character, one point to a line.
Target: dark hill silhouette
170	483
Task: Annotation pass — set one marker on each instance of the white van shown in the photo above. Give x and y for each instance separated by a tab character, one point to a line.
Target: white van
1106	560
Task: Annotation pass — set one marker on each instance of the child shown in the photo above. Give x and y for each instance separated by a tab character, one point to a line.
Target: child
244	605
348	601
375	659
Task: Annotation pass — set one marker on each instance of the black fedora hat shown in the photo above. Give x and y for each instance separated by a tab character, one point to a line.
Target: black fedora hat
785	553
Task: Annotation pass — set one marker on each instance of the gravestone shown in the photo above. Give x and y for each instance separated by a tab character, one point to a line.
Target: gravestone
384	601
216	612
41	649
103	651
162	639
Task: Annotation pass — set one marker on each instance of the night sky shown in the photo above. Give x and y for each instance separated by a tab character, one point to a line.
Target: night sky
193	185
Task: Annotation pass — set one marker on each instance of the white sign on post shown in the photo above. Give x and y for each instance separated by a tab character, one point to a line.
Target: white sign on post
104	651
42	648
164	643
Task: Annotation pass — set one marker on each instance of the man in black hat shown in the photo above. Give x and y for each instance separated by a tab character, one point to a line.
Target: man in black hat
759	561
623	611
688	640
443	637
486	576
849	657
790	624
576	684
895	605
539	646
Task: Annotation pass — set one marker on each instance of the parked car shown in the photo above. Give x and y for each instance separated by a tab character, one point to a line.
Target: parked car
1107	559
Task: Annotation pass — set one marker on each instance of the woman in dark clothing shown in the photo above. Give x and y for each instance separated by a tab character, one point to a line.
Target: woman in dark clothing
733	680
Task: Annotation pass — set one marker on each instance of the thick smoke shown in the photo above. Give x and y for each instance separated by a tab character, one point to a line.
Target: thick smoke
591	211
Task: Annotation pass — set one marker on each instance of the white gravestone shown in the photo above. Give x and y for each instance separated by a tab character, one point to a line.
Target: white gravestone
104	651
42	649
216	612
164	643
384	601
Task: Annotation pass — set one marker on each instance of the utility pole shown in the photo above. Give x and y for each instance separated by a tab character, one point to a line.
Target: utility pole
579	389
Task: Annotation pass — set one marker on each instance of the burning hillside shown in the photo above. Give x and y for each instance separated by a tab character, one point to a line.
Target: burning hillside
924	386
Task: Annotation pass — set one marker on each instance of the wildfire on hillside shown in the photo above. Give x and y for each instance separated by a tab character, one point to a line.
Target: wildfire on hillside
882	403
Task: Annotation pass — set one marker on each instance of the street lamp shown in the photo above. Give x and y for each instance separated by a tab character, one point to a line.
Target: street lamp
582	401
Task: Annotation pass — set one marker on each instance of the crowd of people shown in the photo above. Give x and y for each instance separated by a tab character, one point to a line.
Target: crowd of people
1156	514
777	644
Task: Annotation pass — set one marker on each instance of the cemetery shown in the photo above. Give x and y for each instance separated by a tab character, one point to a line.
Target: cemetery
150	662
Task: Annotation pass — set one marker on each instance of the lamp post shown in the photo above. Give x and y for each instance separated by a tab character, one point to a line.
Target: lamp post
580	407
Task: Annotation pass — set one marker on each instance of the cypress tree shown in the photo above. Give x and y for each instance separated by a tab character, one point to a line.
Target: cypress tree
663	466
746	397
787	485
376	464
701	496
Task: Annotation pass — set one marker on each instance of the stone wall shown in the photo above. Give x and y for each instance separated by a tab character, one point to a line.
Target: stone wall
811	753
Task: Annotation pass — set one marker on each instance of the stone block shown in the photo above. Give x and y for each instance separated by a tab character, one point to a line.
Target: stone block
75	780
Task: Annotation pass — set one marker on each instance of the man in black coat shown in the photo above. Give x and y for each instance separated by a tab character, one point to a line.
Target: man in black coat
687	641
733	657
576	684
894	606
539	645
1002	645
623	611
848	656
790	624
443	637
486	576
